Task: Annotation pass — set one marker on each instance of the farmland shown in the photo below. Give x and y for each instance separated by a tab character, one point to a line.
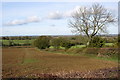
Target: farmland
59	40
6	42
26	62
58	57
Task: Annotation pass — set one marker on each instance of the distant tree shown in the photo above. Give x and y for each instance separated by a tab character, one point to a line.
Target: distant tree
11	43
97	42
42	42
91	20
27	42
56	42
61	42
81	40
66	44
19	38
5	38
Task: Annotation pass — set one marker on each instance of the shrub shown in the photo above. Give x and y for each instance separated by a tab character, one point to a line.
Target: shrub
11	43
79	40
61	42
55	43
97	42
66	43
42	42
111	39
109	51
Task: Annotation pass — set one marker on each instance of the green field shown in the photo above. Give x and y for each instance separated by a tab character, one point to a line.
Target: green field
78	46
6	42
109	44
82	46
17	41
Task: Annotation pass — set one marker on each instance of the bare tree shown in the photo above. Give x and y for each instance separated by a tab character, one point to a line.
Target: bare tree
91	20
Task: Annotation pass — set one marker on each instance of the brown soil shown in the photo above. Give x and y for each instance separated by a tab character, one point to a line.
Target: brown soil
28	62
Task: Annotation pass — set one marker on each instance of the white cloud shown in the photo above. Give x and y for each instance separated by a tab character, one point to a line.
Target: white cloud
72	11
60	15
33	19
69	13
52	25
55	15
23	21
15	22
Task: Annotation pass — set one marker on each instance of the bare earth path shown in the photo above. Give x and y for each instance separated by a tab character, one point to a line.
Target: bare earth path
21	62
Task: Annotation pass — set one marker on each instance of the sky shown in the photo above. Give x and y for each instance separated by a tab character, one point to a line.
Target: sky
44	18
59	0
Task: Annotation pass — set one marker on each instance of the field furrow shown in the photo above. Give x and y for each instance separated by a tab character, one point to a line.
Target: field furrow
19	62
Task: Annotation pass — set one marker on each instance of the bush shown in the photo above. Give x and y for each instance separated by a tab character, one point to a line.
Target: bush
61	42
42	42
109	52
66	43
79	40
55	43
11	43
111	39
97	42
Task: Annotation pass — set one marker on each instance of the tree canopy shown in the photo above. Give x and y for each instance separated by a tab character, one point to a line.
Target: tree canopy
91	20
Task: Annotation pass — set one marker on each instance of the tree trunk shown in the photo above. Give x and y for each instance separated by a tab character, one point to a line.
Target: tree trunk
88	43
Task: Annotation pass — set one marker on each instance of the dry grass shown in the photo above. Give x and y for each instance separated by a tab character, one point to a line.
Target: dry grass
18	62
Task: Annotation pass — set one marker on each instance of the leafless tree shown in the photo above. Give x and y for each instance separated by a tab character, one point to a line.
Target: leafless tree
91	20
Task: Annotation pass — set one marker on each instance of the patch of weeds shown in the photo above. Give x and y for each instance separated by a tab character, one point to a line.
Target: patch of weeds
30	61
79	46
103	58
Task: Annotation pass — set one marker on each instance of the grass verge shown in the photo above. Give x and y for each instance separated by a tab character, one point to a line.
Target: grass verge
62	51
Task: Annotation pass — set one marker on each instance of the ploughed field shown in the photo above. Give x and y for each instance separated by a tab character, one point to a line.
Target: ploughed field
31	62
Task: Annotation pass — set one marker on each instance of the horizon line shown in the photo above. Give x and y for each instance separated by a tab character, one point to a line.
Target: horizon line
53	35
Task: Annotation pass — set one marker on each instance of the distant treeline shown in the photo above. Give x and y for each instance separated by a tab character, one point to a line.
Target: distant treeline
28	40
109	39
18	37
9	43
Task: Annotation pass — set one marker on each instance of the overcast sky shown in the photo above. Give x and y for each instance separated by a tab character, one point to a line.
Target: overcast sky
44	18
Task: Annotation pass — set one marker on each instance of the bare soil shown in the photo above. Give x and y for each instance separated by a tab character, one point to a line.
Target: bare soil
33	63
